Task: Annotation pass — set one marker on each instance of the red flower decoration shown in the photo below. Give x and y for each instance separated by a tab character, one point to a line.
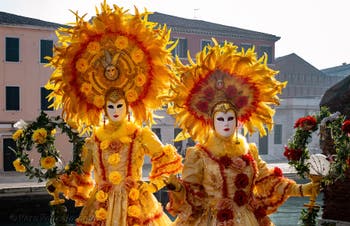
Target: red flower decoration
231	91
115	146
226	161
242	180
209	93
260	212
240	198
241	101
248	158
346	126
292	154
308	123
277	172
202	106
224	215
238	163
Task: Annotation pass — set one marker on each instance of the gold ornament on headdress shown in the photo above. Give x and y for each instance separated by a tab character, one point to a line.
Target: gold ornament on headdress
222	74
115	50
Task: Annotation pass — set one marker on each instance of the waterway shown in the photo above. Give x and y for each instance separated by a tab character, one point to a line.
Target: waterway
34	211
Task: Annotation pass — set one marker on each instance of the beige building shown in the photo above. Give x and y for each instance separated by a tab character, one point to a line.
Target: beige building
25	42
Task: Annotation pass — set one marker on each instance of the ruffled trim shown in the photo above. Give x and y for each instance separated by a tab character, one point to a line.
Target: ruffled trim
166	163
77	187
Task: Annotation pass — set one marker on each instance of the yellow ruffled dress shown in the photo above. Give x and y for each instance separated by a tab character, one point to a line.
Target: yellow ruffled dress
120	197
224	183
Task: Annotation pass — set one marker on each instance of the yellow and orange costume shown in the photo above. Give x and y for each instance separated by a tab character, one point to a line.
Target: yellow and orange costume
115	50
224	181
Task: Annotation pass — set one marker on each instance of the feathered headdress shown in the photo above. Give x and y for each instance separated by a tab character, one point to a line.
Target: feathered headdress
223	74
114	49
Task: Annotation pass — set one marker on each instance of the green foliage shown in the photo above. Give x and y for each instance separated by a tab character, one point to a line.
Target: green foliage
298	153
25	143
308	216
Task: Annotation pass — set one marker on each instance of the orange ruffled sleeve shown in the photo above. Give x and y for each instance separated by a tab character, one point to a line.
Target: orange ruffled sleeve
188	199
164	158
76	186
271	189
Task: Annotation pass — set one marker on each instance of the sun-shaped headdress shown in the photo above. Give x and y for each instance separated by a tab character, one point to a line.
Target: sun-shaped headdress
223	74
115	49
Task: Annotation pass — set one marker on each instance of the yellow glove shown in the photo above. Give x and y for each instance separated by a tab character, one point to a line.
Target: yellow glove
152	186
172	183
310	189
147	187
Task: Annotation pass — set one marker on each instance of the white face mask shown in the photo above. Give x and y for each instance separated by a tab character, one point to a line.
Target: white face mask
225	123
116	111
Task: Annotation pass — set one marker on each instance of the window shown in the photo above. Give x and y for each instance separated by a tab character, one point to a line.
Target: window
178	144
181	48
278	134
157	131
45	50
12	98
263	145
9	155
205	43
45	103
268	51
12	49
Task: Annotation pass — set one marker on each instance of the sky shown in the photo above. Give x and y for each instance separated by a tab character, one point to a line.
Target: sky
316	30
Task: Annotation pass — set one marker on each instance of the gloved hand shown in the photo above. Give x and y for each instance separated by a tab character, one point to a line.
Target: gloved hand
172	183
148	187
310	189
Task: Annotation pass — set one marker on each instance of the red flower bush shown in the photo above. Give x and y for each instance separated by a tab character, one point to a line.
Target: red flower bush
308	123
242	180
292	154
346	126
240	198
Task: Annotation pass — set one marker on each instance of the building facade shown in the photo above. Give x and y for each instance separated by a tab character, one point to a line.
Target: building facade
26	41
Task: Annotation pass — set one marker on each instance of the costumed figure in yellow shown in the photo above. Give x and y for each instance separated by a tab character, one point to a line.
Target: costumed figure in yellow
103	68
224	181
